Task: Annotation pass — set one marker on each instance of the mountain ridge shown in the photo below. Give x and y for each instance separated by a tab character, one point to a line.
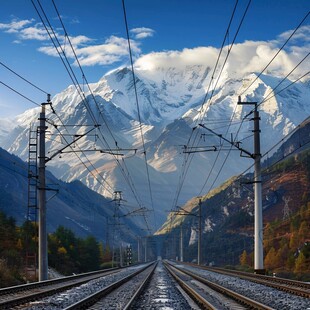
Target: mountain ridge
167	121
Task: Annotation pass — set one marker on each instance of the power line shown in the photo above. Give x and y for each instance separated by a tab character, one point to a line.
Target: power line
20	94
138	109
74	79
189	157
54	113
251	111
24	79
277	53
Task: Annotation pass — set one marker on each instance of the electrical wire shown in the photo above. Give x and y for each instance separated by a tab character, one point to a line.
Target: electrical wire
72	75
222	166
21	77
20	94
138	110
24	79
189	157
277	53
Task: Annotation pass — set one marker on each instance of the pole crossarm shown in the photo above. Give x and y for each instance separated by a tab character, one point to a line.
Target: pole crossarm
179	212
234	144
78	137
136	212
199	149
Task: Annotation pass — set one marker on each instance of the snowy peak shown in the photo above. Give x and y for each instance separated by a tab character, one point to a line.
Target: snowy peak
163	94
171	105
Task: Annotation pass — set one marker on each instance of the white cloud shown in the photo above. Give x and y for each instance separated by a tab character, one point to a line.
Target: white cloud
247	57
114	49
89	51
33	33
15	25
303	33
80	40
142	32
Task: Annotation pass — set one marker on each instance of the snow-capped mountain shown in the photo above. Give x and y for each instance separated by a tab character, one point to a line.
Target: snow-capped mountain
170	105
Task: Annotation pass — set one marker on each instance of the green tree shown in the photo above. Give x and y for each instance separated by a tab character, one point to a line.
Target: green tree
89	254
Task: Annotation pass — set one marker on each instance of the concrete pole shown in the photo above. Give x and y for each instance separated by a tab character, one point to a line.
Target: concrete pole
199	235
181	243
138	249
145	250
121	255
43	258
258	208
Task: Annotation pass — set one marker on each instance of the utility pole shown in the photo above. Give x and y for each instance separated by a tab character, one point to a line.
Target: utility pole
138	249
182	211
181	243
199	234
43	258
145	250
258	205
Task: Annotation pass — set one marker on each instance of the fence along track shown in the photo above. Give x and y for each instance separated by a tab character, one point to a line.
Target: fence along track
247	302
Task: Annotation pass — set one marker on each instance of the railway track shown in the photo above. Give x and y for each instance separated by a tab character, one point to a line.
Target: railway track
135	287
32	295
120	294
297	288
209	295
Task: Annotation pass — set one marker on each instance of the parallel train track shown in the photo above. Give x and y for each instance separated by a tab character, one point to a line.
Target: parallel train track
289	286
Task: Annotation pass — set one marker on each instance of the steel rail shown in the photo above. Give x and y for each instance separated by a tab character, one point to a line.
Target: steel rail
96	297
48	287
140	289
294	287
252	304
197	298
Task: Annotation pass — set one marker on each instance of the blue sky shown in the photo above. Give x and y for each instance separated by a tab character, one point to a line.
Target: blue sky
98	32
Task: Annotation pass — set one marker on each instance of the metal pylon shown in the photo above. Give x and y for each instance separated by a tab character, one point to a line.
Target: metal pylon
32	206
32	175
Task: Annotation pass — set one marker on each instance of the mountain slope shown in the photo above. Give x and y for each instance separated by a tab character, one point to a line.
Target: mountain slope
170	103
228	215
75	206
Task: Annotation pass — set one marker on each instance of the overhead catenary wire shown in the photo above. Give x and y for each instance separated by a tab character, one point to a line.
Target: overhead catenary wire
72	75
222	68
24	79
189	157
277	53
19	93
32	84
257	105
138	109
124	169
249	113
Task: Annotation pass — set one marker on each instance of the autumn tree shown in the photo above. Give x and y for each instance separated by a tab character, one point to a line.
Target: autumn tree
244	258
294	241
270	259
303	232
268	236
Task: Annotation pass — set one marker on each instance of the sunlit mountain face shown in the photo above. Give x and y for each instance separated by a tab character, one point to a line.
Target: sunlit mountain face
172	102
